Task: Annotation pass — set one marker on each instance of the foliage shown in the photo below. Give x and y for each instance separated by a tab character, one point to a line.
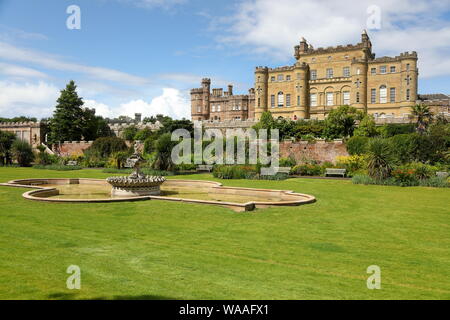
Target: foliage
6	141
146	171
424	117
104	147
118	159
22	153
235	171
352	164
341	122
130	132
380	160
357	145
19	119
163	148
391	129
144	134
57	167
308	169
287	162
304	130
366	127
67	122
94	126
405	178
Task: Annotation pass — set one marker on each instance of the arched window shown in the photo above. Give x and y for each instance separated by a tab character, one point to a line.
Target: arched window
280	99
383	94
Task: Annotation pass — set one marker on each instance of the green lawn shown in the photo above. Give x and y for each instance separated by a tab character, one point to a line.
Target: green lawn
168	250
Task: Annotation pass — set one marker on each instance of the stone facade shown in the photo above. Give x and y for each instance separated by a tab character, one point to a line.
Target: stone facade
71	148
320	150
320	80
31	132
219	105
438	103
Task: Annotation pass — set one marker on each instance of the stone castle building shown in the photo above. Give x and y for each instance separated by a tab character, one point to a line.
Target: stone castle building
320	80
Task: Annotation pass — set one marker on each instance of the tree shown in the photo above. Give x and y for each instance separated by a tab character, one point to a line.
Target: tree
104	147
424	116
366	127
94	126
22	153
67	121
6	140
129	133
164	146
380	160
341	122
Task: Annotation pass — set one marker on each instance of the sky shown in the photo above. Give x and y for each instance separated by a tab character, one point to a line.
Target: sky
144	56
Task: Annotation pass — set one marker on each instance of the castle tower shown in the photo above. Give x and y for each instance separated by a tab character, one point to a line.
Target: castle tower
358	97
409	75
261	84
301	110
200	101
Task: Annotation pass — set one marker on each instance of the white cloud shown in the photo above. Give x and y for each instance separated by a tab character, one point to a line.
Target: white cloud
16	71
30	99
171	102
272	28
13	53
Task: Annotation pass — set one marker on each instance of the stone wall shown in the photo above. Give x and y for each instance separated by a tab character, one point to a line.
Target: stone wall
71	148
320	151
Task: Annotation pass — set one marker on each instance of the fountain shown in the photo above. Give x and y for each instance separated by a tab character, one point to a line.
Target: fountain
136	184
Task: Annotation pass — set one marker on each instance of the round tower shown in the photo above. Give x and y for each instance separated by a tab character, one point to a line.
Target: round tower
261	84
409	74
301	110
358	95
206	86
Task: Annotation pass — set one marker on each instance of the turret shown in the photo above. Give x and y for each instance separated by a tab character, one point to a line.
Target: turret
302	48
261	84
358	98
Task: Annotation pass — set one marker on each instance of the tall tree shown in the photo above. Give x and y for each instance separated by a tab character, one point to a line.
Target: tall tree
68	118
424	116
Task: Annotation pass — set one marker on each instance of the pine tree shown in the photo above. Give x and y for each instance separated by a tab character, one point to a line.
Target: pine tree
67	121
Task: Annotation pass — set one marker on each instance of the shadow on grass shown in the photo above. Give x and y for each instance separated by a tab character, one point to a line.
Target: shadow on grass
73	296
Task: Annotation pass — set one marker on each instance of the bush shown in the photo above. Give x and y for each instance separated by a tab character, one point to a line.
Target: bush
402	180
357	145
234	171
22	153
352	164
287	162
405	178
57	167
380	160
104	147
390	130
146	171
421	171
362	179
307	170
435	182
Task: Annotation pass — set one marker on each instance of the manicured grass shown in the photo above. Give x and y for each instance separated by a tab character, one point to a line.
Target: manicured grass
161	250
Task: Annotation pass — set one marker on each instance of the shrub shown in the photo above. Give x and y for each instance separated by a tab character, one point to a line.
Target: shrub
362	179
307	170
357	145
287	162
390	130
421	171
379	159
366	127
352	164
405	178
104	147
57	167
235	171
436	182
22	153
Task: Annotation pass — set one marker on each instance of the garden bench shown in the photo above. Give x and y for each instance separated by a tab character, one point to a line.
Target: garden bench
204	167
335	172
72	163
285	170
442	174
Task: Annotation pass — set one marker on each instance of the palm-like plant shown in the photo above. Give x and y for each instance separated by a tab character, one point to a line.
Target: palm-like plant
424	115
380	160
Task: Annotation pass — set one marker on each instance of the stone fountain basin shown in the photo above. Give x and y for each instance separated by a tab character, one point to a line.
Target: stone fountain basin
191	191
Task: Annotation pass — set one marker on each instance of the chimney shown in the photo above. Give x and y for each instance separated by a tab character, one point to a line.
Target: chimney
230	89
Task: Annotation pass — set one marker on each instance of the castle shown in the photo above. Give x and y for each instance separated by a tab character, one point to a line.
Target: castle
320	80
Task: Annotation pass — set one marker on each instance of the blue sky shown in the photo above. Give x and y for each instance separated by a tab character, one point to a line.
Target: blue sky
144	55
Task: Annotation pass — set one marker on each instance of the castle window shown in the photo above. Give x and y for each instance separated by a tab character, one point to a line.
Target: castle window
313	99
199	109
329	58
383	69
213	108
280	77
392	69
329	73
407	80
313	74
373	95
358	71
407	67
330	99
346	72
288	78
313	60
280	99
218	108
288	100
408	94
373	71
383	94
259	102
346	97
298	100
346	56
392	95
358	97
272	79
272	101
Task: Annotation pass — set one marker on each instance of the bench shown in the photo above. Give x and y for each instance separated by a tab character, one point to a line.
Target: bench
204	167
335	172
72	163
285	170
442	174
